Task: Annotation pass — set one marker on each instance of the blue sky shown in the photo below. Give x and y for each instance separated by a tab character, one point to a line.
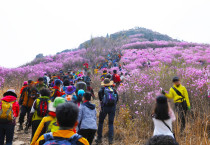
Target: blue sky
49	26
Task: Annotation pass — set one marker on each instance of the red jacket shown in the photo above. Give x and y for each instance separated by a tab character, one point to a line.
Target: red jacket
58	93
15	106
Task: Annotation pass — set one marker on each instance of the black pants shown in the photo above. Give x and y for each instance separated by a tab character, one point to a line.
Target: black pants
88	134
23	111
181	108
8	131
35	125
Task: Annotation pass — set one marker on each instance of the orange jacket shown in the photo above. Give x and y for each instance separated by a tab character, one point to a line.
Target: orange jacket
27	97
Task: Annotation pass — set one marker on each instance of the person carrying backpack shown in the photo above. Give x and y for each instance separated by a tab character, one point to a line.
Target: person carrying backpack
46	79
40	85
163	117
103	76
87	119
40	109
81	85
55	91
116	78
180	96
26	101
48	123
24	85
9	111
67	115
87	80
108	97
70	95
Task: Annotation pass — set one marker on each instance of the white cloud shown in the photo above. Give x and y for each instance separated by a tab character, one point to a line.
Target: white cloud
48	26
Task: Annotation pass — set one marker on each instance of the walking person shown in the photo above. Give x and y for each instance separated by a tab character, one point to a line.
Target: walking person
87	119
163	117
26	101
39	109
67	115
108	98
180	96
9	111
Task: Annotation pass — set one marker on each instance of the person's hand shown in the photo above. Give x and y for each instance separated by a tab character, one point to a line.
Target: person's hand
163	92
189	108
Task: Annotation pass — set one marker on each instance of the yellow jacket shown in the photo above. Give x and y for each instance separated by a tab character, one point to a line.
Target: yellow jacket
173	95
41	129
63	134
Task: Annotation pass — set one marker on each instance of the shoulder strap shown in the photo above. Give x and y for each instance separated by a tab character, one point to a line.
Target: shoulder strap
166	125
48	136
75	138
178	93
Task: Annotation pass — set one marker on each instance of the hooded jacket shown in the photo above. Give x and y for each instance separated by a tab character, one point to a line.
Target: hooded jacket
87	116
15	106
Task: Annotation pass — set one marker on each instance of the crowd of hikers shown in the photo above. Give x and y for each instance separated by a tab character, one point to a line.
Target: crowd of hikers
58	108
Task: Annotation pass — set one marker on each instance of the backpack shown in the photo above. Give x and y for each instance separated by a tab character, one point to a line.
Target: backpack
110	98
6	113
116	78
53	126
103	77
87	80
53	94
42	107
51	140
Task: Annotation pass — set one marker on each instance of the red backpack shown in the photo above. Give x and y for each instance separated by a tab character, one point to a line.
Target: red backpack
116	78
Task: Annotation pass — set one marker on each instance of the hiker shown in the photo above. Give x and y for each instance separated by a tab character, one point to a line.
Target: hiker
162	140
103	76
9	109
70	94
71	79
67	115
46	79
48	123
81	85
87	80
40	84
180	96
39	109
56	90
163	117
108	98
80	95
116	78
66	83
26	101
24	85
122	78
87	119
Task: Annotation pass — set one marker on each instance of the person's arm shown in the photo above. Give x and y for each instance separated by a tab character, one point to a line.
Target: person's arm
101	94
22	97
186	98
80	117
171	113
15	109
170	95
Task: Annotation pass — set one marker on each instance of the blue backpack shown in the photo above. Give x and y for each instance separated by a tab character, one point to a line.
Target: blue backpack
110	98
51	140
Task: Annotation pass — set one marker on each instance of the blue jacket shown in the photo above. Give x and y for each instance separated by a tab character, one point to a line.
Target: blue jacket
87	116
